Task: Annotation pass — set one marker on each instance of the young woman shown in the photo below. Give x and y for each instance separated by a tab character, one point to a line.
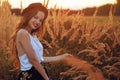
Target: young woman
26	46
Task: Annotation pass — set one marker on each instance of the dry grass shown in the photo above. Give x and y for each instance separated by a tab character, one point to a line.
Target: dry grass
96	46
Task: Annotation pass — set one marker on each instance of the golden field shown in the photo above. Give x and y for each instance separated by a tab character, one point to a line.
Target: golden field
93	40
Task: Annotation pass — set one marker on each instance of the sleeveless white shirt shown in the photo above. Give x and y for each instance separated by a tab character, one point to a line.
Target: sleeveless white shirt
38	50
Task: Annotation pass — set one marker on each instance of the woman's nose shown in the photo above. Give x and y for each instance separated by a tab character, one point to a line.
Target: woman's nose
38	22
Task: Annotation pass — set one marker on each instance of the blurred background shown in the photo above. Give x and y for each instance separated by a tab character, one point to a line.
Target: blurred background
87	29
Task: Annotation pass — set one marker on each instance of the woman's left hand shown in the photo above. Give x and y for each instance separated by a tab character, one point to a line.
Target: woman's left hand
67	55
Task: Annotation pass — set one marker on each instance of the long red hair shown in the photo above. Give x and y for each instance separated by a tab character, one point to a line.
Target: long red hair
26	15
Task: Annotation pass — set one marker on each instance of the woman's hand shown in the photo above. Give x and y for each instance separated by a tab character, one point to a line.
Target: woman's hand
67	55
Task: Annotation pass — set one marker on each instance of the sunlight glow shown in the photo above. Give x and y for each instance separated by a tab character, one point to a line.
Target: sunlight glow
71	4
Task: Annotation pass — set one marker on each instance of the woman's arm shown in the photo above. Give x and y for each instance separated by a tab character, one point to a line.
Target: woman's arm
24	40
57	58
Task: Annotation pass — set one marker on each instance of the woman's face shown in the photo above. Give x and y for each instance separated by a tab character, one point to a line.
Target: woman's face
36	21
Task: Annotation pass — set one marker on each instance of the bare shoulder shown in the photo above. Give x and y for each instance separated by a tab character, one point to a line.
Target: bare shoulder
22	33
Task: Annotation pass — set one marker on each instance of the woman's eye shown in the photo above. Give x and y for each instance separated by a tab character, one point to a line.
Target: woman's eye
35	17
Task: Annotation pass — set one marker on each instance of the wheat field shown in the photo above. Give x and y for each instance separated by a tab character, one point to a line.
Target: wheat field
94	42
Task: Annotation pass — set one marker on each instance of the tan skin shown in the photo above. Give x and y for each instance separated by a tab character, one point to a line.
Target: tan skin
24	46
